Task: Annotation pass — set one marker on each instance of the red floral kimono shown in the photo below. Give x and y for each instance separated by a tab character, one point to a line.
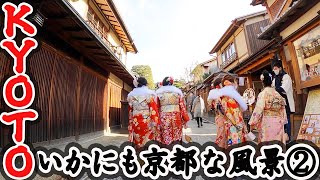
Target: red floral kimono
143	116
232	107
173	114
235	127
215	101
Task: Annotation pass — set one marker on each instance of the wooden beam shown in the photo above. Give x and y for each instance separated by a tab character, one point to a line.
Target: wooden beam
81	38
72	29
112	21
102	4
61	17
255	64
101	56
92	47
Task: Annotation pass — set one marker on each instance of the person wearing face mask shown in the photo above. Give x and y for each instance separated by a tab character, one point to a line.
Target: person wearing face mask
282	82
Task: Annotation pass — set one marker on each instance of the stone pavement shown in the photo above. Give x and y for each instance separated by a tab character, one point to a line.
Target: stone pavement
206	133
201	135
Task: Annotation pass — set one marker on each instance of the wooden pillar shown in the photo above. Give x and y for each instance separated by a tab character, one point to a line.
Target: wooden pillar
107	110
249	81
296	70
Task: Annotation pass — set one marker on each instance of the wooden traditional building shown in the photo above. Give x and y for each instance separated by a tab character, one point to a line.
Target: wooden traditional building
295	31
204	69
239	44
78	69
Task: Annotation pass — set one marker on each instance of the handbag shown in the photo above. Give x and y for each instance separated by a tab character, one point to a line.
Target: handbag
188	138
286	137
250	136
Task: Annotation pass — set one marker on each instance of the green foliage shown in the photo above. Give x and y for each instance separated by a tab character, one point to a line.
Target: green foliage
197	74
179	83
146	72
205	76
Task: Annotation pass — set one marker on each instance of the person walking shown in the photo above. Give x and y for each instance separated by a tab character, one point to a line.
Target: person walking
232	106
198	108
143	114
215	101
282	82
191	98
173	113
269	115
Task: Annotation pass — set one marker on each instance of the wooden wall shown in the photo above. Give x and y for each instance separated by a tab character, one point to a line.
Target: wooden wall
70	98
252	31
4	72
115	105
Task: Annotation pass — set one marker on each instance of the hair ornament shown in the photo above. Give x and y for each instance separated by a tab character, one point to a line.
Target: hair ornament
170	80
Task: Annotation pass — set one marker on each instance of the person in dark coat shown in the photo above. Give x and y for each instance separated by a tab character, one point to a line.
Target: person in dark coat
282	82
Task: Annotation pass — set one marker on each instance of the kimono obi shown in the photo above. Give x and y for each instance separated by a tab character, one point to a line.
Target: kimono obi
170	108
274	103
144	113
272	113
169	102
140	105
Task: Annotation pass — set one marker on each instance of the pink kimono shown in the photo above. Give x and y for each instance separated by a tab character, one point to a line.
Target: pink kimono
269	116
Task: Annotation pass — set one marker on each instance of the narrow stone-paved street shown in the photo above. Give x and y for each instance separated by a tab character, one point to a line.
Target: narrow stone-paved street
201	135
205	133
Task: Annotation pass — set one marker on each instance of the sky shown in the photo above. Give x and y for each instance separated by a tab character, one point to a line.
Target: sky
173	34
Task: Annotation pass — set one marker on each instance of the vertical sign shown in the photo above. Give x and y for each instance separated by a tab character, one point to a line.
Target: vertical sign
15	17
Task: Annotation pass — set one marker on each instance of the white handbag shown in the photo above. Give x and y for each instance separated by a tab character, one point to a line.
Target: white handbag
250	136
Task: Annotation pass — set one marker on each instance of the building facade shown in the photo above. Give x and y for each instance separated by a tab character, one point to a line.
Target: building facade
78	70
239	44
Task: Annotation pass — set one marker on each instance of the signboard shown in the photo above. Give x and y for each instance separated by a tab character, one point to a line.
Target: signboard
307	50
310	125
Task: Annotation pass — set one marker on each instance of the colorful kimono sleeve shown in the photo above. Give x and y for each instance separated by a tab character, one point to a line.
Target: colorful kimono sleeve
154	113
130	129
154	116
183	111
258	112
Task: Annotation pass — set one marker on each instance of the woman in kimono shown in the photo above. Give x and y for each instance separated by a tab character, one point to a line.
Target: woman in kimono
173	113
143	114
269	115
232	105
215	102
